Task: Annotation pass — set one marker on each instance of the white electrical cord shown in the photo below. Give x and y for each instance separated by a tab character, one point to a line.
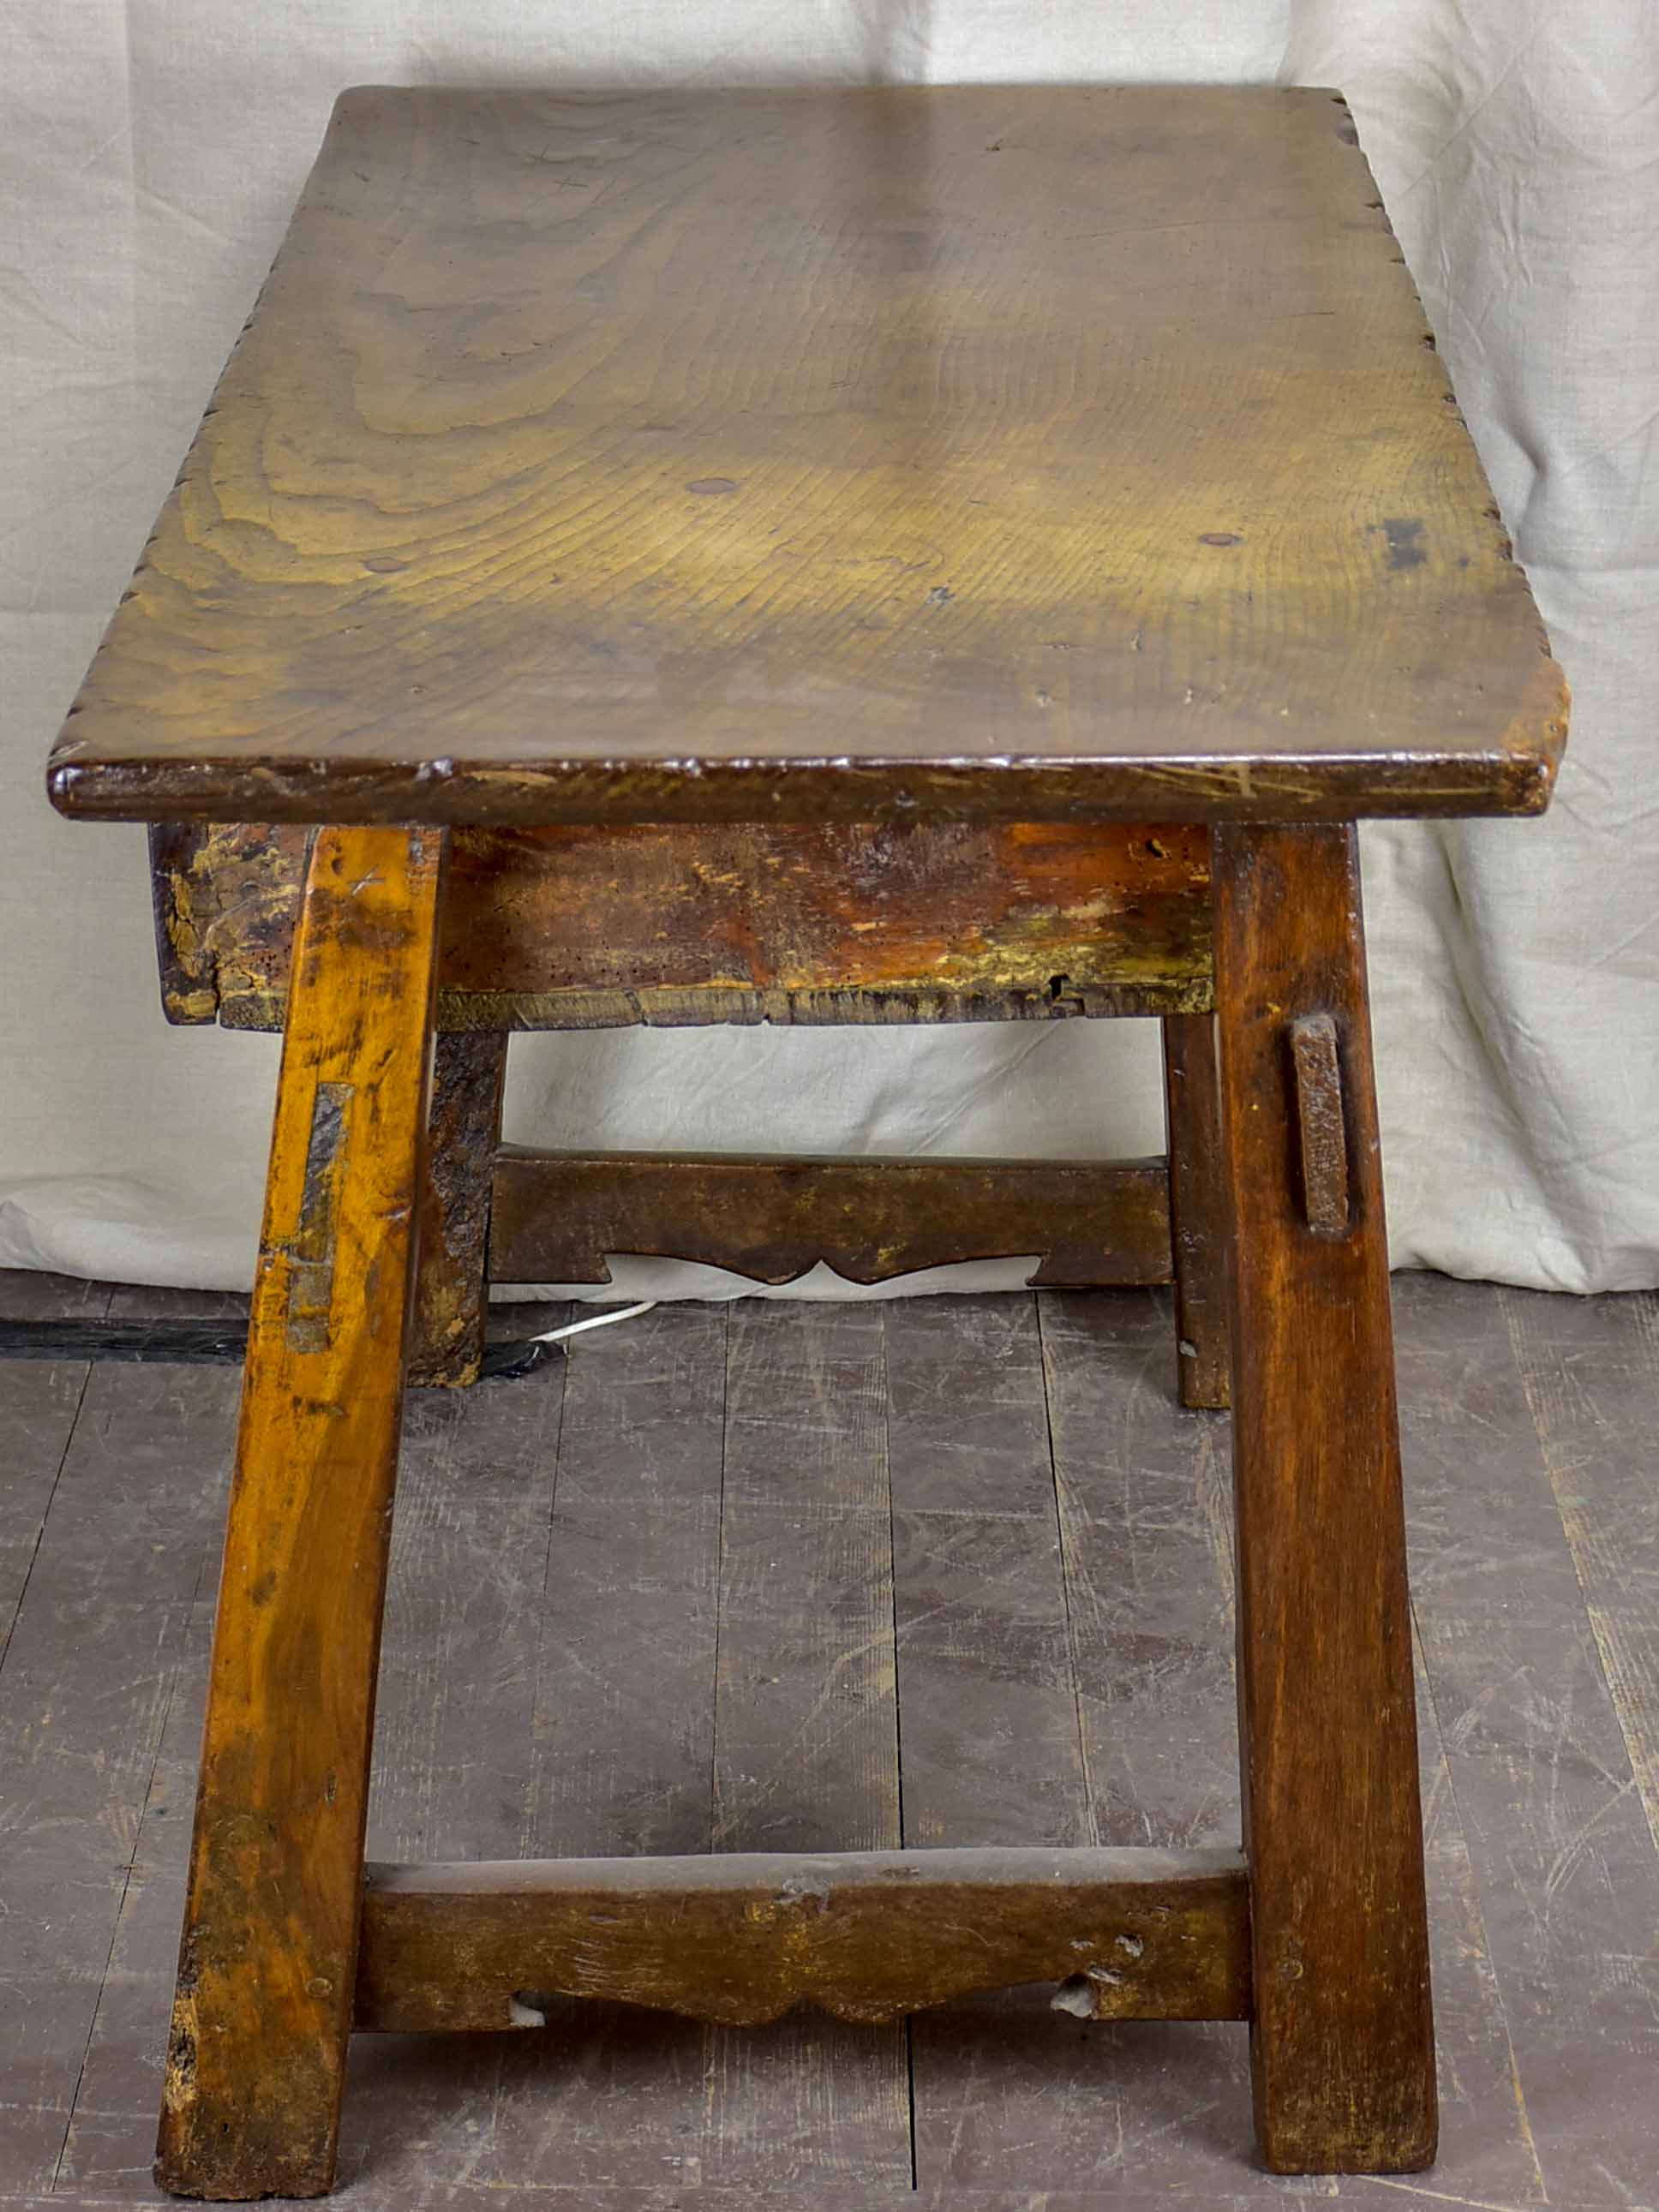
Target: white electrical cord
593	1320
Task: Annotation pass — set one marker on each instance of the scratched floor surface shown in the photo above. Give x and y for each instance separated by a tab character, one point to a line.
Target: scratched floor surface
754	1578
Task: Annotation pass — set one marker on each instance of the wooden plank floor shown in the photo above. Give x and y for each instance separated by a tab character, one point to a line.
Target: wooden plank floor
769	1575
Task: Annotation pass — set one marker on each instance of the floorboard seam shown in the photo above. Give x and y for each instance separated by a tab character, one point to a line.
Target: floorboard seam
538	1775
126	1881
1428	1692
1065	1573
45	1512
1606	1651
1022	2112
898	1710
719	1582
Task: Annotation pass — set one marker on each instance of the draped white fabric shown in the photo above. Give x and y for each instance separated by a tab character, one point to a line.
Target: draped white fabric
150	151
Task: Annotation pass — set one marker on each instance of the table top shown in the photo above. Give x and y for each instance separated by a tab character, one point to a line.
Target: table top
987	452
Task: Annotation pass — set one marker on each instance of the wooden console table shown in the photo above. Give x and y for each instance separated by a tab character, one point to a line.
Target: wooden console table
902	555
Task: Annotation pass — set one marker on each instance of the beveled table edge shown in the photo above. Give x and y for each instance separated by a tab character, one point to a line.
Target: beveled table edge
1516	780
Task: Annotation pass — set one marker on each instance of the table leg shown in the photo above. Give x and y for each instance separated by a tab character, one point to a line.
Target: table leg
452	1294
267	1964
1198	1207
1342	2039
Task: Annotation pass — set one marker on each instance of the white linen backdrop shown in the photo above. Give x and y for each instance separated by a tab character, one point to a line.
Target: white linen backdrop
150	150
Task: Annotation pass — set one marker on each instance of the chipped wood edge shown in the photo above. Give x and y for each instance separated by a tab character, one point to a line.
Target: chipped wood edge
867	1936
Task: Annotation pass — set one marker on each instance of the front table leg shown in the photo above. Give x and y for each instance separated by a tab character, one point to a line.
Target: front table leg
1342	2040
268	1962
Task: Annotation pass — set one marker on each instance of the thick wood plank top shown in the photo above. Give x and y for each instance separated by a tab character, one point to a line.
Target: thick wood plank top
984	450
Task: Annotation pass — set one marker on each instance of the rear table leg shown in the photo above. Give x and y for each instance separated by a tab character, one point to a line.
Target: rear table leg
268	1961
451	1296
1198	1207
1342	2039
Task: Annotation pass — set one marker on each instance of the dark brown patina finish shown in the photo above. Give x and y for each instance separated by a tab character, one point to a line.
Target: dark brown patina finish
556	1215
464	1128
584	928
791	456
829	555
867	1936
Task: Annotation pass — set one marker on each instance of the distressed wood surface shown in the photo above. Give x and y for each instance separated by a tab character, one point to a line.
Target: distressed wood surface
1591	1378
806	1728
454	1772
159	1455
89	1682
1144	1498
267	1962
555	1216
464	1128
467	1592
38	1402
1145	1509
619	1755
979	1587
1537	1665
743	1938
1540	1861
989	452
593	928
1342	2037
622	1732
1321	1138
987	1695
1198	1209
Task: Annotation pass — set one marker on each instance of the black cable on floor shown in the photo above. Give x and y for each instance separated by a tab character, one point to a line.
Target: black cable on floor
203	1344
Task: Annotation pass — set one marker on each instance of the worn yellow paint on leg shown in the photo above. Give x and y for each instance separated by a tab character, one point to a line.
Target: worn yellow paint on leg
255	2066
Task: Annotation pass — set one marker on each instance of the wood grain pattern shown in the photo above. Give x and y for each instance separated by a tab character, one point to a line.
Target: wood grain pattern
1145	1507
806	1737
467	1628
1198	1209
983	452
555	1216
1541	1864
742	1938
463	1669
806	1724
988	1694
1321	1138
624	1695
586	928
90	1669
38	1402
623	1740
1535	1528
994	1754
1011	2097
464	1128
268	1958
1342	2039
1591	1379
